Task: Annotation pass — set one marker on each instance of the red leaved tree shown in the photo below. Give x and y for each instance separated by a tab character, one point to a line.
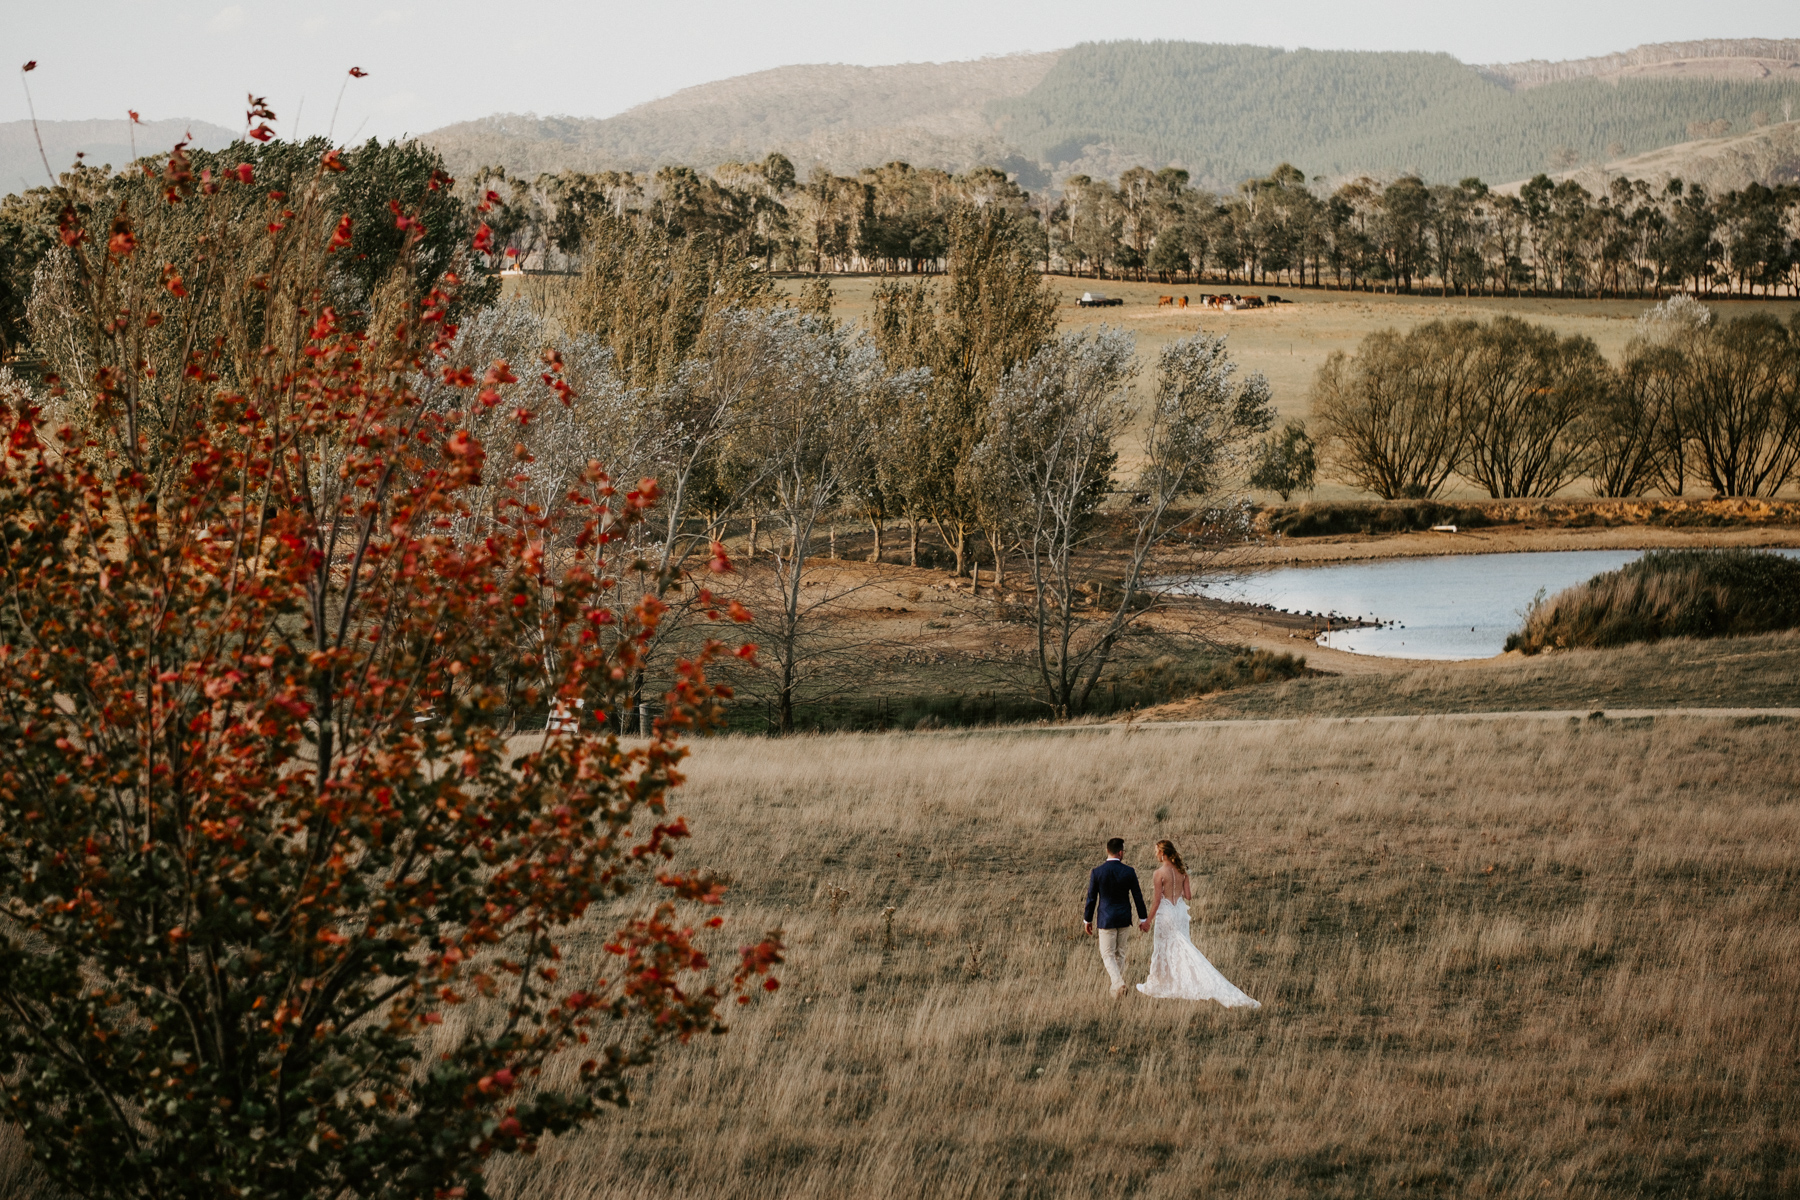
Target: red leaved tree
288	857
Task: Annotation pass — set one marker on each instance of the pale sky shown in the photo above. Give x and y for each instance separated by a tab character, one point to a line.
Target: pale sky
433	63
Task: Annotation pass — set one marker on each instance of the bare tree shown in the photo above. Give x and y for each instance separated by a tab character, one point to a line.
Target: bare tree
1393	415
1053	424
1665	327
1741	404
813	395
1528	401
1631	427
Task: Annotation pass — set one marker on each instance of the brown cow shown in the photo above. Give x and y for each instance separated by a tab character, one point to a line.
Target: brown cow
1181	303
1162	300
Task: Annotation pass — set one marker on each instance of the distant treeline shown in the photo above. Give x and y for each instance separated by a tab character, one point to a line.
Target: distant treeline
1554	238
1406	235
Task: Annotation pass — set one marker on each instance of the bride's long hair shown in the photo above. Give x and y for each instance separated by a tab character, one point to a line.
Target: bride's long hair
1172	854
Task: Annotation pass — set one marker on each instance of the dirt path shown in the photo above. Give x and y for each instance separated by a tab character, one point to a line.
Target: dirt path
1122	728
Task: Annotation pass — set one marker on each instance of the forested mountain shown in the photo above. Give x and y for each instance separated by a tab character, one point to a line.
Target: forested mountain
1223	113
103	142
1229	112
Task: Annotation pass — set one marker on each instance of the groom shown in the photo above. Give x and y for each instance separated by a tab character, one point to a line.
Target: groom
1115	886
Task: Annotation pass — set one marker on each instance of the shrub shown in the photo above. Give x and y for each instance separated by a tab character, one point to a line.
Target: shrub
1669	593
1321	519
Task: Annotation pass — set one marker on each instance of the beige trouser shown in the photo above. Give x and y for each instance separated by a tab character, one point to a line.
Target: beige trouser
1112	953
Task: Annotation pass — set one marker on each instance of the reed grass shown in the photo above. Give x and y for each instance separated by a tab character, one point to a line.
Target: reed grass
1497	958
1669	593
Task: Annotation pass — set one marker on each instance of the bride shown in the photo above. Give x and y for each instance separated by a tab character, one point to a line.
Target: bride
1178	971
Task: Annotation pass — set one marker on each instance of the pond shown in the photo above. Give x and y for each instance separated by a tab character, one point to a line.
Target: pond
1450	607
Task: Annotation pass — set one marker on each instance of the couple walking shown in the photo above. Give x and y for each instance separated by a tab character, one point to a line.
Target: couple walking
1178	971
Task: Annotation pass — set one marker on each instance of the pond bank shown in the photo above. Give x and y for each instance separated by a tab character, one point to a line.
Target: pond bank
1506	539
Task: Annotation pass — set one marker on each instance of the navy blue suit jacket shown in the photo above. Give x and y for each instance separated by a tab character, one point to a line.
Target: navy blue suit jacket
1114	885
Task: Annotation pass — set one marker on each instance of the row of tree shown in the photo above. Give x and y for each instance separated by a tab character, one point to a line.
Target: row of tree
1518	411
1405	234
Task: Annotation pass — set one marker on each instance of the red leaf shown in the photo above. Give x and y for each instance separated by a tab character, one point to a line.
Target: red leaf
245	171
484	239
358	73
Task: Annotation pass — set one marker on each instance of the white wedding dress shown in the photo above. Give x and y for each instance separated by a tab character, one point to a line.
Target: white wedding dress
1178	971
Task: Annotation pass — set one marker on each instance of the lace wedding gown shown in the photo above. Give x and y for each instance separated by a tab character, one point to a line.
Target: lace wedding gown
1178	971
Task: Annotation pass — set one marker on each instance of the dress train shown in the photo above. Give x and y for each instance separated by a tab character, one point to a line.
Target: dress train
1178	971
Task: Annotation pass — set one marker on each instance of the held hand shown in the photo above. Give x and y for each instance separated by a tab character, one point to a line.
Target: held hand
1144	926
1087	927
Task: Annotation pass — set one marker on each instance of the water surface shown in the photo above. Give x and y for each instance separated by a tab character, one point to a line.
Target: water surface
1450	607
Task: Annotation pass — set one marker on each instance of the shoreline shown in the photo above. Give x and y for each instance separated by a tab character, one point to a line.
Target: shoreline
1277	551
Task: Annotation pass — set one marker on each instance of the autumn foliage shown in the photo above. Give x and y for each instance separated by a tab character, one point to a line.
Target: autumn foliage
288	857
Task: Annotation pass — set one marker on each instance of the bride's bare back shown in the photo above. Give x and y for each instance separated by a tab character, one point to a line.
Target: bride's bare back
1171	885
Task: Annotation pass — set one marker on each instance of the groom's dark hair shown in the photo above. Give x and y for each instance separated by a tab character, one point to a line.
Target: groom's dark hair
1115	845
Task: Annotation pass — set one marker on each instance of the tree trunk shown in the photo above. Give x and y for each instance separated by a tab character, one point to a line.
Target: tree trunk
912	549
784	707
962	538
875	554
752	552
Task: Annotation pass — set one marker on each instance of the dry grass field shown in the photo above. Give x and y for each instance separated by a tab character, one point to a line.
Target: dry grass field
1761	671
1496	958
1289	343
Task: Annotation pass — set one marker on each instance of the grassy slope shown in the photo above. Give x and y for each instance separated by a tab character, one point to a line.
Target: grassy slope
1749	672
1289	343
1500	958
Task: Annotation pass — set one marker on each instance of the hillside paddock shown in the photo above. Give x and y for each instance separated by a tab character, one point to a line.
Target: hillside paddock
1289	342
1497	958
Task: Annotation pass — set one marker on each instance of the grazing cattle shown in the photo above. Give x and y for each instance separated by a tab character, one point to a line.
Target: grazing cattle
1181	303
1162	300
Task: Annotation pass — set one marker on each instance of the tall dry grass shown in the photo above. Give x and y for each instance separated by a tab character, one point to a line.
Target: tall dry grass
1669	593
1756	671
1519	958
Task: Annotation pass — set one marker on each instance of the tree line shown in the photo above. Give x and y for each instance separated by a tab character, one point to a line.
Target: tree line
1518	411
1404	235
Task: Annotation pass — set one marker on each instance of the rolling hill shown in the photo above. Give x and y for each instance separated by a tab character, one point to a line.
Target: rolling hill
1224	112
841	116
